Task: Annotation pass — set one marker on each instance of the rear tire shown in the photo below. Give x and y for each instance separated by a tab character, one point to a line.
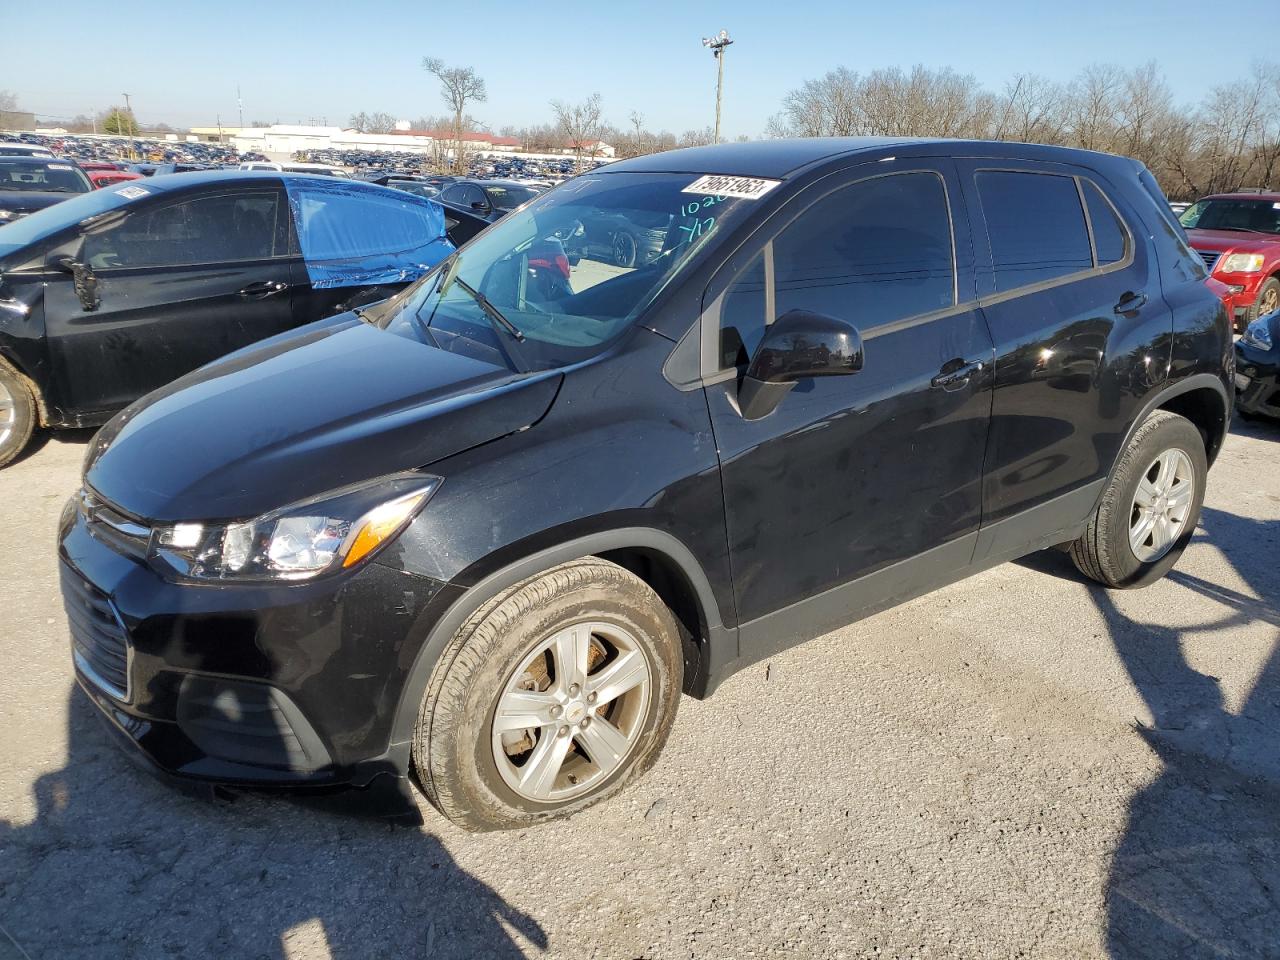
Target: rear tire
511	732
17	413
1144	523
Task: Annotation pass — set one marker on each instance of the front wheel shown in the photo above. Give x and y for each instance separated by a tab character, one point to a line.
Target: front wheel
1149	508
550	698
17	414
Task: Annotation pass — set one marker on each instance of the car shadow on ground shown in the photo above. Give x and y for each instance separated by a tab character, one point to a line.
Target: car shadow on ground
1197	871
44	438
117	865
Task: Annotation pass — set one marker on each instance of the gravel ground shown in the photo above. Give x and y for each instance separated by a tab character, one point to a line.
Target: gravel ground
1017	766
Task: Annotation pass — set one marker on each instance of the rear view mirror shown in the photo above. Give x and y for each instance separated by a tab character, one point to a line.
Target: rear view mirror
85	280
799	345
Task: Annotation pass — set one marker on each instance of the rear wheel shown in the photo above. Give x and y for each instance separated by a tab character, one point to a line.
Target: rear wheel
550	698
17	413
1150	507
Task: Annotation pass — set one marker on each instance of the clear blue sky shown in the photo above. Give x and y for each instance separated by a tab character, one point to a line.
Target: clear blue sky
295	60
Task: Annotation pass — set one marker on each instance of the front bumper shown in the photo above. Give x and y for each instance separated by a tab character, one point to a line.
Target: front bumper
1258	380
249	685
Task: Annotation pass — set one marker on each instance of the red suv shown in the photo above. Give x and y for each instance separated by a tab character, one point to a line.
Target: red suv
1238	236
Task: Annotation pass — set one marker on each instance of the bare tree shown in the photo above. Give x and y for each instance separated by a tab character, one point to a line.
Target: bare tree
372	122
580	125
459	87
8	101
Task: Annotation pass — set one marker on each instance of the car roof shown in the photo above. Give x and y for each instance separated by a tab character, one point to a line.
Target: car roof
1269	197
786	157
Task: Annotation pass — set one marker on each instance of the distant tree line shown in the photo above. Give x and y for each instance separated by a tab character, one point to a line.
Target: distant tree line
1231	139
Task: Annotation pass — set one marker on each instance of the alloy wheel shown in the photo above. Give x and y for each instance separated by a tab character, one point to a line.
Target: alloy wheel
1269	302
571	712
8	414
1161	505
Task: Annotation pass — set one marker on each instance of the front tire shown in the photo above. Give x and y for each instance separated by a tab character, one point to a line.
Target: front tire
550	698
1268	299
1149	508
17	414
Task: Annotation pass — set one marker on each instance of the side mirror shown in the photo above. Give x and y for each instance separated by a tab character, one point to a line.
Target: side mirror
798	345
85	280
479	205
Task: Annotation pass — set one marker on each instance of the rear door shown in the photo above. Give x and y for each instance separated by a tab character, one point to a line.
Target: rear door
852	475
1080	329
181	282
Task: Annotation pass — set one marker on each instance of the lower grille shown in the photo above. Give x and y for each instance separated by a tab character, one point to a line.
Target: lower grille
98	639
1210	257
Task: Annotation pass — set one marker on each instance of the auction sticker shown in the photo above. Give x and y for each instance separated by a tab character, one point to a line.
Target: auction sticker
59	166
132	193
716	185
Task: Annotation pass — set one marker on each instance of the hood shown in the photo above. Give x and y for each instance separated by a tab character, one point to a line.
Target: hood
25	201
304	415
1237	241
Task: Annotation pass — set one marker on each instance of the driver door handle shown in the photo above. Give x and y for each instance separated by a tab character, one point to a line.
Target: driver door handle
263	288
956	373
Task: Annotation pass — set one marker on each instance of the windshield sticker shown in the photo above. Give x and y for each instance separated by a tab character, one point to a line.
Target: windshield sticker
132	193
59	166
1275	206
747	188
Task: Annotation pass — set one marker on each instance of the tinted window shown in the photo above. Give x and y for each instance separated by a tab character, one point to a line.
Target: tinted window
1035	226
742	316
205	230
1109	238
339	225
873	252
870	253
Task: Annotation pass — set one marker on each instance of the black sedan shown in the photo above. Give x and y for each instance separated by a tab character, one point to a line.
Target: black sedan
110	295
491	199
30	183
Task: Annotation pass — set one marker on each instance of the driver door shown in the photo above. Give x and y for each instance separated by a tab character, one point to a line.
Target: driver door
858	488
179	284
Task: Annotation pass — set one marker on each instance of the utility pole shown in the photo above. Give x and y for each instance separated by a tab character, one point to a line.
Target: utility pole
717	45
240	105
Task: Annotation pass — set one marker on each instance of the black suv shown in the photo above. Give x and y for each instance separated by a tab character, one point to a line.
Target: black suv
494	527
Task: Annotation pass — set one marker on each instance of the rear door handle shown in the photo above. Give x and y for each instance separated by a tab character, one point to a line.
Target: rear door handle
1130	302
263	288
956	373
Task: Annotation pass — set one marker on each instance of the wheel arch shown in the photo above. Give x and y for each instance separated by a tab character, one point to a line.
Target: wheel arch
656	557
1201	398
11	364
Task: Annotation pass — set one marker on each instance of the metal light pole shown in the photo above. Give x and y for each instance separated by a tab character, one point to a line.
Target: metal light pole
717	46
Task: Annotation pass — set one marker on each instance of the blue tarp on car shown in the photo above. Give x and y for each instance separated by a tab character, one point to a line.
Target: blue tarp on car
358	234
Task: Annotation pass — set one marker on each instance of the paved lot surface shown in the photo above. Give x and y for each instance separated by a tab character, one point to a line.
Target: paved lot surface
1017	766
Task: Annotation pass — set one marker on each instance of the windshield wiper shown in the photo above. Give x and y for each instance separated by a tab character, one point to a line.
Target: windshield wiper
492	312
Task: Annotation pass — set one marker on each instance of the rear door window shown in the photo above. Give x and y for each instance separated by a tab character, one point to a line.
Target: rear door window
1035	227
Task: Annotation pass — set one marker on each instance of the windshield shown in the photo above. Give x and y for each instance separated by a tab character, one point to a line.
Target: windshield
1254	216
569	272
40	176
45	223
508	198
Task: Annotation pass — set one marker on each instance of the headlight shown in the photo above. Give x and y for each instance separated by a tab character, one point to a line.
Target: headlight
1258	333
1241	263
298	542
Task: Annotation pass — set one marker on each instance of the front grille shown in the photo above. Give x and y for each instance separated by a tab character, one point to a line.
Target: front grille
1210	257
98	639
118	530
